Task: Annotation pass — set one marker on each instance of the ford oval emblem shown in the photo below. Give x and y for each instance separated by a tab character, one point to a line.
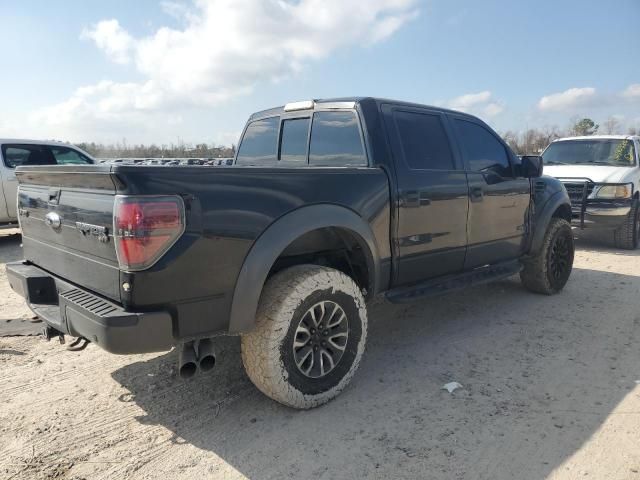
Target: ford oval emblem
53	220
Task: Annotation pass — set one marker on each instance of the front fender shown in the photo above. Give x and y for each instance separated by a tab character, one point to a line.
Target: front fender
545	208
273	241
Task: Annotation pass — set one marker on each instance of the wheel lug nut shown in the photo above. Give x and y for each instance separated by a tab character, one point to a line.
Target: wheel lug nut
315	348
325	333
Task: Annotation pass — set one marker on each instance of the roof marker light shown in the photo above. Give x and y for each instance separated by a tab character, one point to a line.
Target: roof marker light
304	105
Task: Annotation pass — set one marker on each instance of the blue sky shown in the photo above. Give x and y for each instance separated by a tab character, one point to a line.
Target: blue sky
149	71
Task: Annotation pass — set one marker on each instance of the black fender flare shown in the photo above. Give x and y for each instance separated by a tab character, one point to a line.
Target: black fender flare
543	217
273	241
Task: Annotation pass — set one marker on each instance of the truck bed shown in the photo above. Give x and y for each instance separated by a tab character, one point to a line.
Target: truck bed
227	209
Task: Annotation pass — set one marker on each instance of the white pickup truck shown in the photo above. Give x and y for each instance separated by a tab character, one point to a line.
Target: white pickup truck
602	176
14	153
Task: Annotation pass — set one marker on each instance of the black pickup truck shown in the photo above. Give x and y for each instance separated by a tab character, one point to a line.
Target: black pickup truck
327	204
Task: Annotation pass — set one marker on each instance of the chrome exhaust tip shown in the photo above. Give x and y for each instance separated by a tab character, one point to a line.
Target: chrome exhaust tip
206	355
187	362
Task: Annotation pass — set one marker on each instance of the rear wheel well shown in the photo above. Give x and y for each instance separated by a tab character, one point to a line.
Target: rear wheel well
332	247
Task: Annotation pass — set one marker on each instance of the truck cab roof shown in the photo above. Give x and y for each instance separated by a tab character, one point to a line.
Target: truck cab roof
345	102
600	137
26	141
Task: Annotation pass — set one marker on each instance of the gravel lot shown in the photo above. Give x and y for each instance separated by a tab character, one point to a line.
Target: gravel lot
551	389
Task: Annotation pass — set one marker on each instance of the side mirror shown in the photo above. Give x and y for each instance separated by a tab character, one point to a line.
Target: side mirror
531	166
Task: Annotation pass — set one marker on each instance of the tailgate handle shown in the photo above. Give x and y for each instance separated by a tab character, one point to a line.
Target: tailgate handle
54	196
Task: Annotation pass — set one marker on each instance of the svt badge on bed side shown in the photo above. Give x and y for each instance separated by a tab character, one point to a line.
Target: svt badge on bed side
94	230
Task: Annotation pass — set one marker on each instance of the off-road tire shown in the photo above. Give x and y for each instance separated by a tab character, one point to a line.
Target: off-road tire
538	272
627	236
268	350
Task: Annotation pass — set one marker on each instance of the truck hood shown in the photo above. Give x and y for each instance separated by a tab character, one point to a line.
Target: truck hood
595	173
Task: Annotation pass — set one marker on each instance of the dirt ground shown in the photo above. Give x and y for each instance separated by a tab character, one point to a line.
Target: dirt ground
551	389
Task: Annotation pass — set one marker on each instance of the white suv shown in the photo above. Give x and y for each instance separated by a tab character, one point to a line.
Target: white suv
602	176
14	153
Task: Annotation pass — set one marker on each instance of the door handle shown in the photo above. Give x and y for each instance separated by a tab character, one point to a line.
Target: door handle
476	194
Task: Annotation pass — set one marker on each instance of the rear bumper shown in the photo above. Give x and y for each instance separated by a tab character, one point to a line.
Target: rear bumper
5	225
80	313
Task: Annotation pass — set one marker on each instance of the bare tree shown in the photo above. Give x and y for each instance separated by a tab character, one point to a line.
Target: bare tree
182	150
532	140
611	126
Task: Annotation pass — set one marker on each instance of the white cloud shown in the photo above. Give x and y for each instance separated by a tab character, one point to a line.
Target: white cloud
569	99
493	109
109	36
175	9
223	50
469	100
632	91
481	103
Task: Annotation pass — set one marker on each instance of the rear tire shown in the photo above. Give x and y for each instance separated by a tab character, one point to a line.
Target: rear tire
548	271
627	236
310	333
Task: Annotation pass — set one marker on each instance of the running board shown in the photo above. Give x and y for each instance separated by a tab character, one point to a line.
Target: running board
451	283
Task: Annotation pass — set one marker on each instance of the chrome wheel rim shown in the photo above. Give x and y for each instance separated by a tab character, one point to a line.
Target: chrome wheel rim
320	339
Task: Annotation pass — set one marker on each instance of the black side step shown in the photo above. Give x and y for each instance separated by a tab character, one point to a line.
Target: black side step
451	283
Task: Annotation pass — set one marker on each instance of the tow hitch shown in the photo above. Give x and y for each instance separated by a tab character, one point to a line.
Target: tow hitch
76	345
49	332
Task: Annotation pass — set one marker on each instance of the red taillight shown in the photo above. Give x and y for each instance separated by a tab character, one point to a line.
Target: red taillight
145	228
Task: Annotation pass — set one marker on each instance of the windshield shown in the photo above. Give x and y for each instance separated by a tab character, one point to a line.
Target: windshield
615	152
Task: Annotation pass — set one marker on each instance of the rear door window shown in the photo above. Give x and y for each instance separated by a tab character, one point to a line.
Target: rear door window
260	142
424	141
335	140
18	155
293	146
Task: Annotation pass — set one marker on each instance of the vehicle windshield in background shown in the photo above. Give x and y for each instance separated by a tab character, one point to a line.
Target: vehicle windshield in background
614	152
18	155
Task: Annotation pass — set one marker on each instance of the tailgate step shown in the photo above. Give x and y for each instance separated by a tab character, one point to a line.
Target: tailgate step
89	302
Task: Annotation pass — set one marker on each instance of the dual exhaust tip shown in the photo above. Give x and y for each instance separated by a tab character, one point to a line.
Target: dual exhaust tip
196	355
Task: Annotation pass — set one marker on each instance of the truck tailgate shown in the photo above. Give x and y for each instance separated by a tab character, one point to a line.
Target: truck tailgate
66	215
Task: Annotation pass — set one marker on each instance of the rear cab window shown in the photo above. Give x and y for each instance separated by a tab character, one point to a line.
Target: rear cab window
336	140
320	138
293	140
259	144
16	155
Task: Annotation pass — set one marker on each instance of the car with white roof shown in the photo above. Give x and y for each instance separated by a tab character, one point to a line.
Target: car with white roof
602	176
15	153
